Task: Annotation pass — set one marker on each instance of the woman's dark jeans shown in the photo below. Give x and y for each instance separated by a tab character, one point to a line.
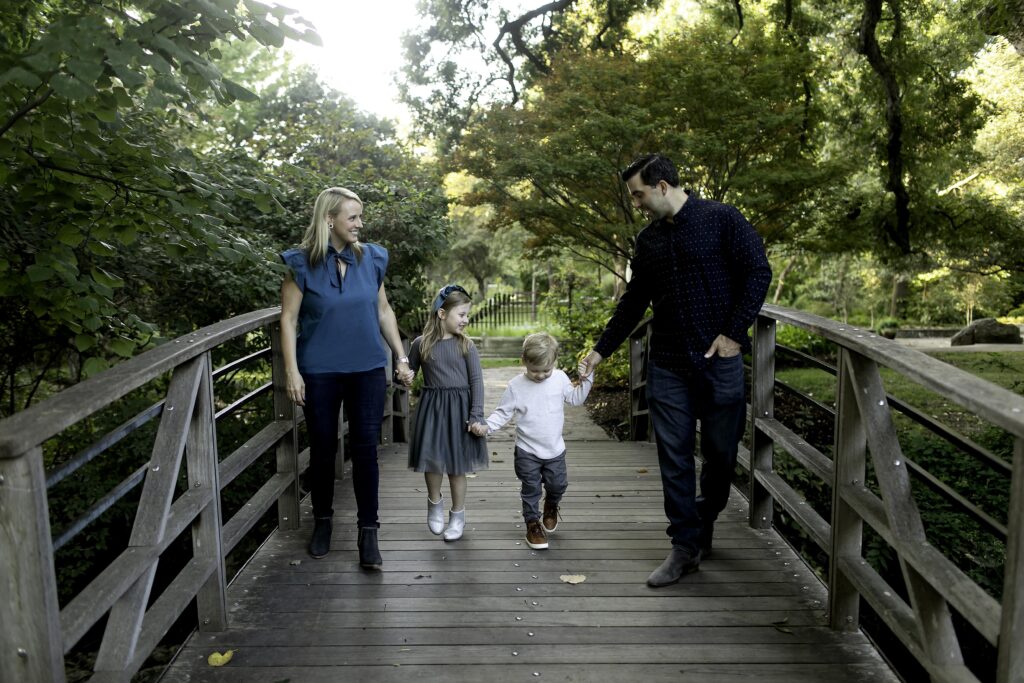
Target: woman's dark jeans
363	394
715	396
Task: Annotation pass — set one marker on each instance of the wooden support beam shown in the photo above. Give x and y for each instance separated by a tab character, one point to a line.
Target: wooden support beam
936	633
1011	633
762	406
287	451
203	472
30	635
117	649
850	462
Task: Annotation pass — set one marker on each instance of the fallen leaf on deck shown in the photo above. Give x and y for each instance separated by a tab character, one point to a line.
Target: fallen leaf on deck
573	578
780	626
295	563
218	659
423	576
642	470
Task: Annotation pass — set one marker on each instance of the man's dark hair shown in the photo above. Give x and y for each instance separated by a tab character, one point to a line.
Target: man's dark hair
653	168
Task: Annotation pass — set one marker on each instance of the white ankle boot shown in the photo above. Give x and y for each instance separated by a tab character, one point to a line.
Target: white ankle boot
435	516
456	524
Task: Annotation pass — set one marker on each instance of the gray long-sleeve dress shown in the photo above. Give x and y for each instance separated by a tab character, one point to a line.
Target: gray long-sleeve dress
452	397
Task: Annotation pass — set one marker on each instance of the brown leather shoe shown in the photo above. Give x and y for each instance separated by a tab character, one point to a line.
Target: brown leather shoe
535	536
550	518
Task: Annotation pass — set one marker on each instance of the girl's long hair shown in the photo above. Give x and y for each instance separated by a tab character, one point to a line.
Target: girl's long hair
318	235
432	331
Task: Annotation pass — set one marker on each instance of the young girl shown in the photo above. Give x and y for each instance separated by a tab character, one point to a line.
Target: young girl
452	402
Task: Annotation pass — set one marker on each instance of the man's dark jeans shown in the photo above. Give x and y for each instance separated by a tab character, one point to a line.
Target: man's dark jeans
676	401
363	394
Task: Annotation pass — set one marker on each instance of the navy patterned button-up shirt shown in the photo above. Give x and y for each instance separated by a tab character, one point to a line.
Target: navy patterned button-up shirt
705	273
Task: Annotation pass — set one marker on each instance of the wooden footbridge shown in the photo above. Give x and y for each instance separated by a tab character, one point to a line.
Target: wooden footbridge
488	607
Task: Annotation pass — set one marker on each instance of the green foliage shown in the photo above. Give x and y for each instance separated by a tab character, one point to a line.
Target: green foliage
733	121
581	327
95	188
800	339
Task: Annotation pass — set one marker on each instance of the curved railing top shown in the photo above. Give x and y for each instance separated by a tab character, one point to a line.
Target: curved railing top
24	430
999	406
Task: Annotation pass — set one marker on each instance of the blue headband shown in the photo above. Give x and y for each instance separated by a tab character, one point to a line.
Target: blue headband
443	293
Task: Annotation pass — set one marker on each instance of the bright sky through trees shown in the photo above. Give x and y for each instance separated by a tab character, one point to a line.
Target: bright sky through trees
361	49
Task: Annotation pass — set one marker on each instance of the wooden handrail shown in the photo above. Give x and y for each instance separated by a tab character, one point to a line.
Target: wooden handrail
37	632
864	430
23	431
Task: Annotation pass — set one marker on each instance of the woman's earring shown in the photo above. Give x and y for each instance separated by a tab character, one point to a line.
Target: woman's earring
330	226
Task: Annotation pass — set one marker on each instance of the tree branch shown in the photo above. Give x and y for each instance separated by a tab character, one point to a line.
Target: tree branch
514	30
25	109
739	17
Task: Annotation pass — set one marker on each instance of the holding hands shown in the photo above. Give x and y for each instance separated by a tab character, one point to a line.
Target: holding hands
403	373
477	429
589	364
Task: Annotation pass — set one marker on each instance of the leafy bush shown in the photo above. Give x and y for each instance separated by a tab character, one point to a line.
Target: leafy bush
800	339
582	326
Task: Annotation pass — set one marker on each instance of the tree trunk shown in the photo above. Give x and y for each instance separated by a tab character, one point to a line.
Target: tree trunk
782	278
900	291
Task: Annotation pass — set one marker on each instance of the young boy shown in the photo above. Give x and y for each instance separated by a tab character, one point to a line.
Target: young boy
537	400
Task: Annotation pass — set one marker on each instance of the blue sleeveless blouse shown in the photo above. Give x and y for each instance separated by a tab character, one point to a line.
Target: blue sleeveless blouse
339	330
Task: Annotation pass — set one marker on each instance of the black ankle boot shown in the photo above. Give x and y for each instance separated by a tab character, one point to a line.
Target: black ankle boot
320	543
369	554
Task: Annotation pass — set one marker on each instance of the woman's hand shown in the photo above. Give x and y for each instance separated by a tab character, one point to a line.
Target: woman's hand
404	374
295	388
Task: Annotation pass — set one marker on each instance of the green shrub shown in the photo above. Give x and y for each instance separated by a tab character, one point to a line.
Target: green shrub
800	339
581	326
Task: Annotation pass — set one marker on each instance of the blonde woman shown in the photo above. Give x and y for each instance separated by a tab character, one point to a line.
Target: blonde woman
334	311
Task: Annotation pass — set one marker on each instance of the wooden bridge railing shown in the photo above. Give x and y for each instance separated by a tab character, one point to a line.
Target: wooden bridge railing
864	434
35	631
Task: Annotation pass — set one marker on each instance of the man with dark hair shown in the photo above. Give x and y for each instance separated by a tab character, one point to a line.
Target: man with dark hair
702	267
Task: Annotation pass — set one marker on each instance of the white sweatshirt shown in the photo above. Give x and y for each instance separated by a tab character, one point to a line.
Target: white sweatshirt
539	409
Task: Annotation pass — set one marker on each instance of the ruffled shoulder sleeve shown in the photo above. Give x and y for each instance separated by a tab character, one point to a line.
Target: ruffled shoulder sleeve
296	260
380	261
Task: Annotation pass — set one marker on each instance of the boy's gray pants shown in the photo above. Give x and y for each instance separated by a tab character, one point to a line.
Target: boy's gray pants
532	471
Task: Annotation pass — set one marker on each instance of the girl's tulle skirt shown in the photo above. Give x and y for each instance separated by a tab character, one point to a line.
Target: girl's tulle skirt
440	441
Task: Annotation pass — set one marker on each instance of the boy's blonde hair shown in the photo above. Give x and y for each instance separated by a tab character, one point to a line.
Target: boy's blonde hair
540	349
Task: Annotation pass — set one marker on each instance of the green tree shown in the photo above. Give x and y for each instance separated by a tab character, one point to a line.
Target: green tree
733	115
88	94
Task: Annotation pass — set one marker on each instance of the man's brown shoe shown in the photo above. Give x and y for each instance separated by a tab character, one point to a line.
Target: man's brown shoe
535	536
550	518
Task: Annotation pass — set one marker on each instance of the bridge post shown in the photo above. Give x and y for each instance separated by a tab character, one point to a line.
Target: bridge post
849	467
287	451
30	639
762	406
1011	632
203	470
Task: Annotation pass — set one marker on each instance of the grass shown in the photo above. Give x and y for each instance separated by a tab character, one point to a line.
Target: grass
1003	369
513	330
499	362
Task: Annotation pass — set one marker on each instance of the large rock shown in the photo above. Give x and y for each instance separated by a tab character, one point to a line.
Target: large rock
986	331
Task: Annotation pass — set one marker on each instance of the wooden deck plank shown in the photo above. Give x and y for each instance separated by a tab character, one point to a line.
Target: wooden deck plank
488	608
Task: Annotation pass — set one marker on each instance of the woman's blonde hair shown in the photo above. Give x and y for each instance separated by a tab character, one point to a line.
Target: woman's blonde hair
318	234
540	350
432	330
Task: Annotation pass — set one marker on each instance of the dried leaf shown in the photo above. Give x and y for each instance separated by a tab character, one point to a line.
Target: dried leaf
573	578
218	659
642	470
